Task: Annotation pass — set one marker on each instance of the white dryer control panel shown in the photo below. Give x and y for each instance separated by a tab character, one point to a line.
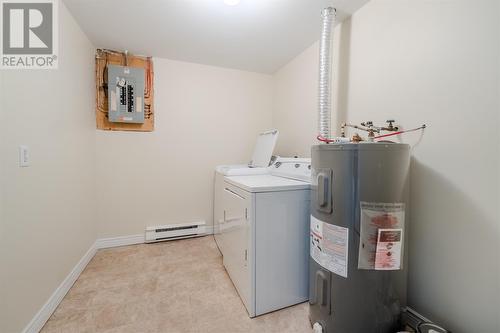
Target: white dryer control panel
294	168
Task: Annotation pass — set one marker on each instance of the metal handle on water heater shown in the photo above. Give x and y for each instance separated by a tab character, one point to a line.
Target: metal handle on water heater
323	190
321	293
322	194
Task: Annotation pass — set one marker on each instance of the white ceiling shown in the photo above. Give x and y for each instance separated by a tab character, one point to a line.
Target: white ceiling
256	35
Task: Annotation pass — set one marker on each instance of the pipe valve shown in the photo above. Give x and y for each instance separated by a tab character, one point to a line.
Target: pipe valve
391	126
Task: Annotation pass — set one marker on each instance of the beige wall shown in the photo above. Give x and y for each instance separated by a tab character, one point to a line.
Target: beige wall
295	91
433	62
204	116
48	209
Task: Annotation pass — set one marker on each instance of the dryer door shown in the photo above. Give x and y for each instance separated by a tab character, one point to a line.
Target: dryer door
235	232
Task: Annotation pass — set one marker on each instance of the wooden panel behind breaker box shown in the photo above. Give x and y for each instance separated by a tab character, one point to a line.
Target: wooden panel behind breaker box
102	59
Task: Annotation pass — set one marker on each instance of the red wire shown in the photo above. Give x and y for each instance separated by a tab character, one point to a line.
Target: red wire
390	134
399	132
322	139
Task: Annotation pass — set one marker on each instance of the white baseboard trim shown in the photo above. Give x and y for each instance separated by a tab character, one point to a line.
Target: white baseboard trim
105	243
209	229
50	306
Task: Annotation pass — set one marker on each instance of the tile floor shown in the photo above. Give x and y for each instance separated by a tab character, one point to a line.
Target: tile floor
172	287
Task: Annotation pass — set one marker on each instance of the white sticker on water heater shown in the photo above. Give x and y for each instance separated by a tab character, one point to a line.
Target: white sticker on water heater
329	246
388	253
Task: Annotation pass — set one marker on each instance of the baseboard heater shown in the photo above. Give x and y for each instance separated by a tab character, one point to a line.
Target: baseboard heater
175	231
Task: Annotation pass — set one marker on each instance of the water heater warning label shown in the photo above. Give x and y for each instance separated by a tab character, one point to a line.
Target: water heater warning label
329	246
381	235
388	253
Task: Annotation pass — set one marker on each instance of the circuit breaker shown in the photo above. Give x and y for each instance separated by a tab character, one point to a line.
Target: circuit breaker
125	94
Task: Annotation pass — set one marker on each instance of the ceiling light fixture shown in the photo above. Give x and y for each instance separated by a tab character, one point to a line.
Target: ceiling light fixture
231	2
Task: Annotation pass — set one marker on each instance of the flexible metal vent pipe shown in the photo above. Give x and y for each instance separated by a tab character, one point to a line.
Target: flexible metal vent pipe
325	71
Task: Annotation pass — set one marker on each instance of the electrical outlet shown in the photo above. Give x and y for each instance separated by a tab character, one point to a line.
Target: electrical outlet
24	156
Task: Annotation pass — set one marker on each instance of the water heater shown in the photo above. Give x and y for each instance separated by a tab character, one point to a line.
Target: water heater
358	236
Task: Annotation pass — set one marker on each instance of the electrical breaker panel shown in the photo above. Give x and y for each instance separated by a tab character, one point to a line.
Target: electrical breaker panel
125	94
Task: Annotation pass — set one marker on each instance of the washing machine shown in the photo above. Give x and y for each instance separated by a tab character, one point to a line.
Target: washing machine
263	234
261	157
